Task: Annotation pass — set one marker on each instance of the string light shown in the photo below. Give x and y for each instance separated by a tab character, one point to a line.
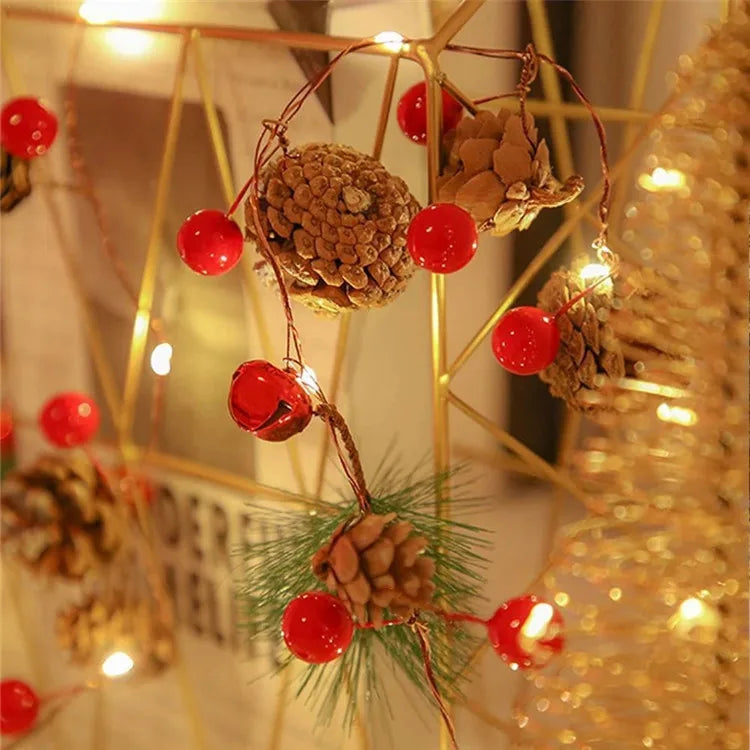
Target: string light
661	179
536	623
676	414
117	664
696	620
161	359
105	11
592	272
129	42
391	40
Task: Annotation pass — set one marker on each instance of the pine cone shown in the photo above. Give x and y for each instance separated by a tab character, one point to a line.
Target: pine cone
374	564
63	516
97	627
499	173
14	180
589	352
336	221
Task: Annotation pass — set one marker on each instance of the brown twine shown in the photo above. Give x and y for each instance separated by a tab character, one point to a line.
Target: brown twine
421	631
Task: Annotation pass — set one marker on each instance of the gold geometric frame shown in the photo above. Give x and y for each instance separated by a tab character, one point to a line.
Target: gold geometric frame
425	52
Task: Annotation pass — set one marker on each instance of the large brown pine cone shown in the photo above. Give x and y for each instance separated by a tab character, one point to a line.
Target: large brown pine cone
14	180
97	627
336	220
589	354
377	563
500	173
61	516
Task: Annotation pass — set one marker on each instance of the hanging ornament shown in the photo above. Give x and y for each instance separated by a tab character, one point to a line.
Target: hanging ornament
526	632
589	354
19	707
375	563
269	402
61	517
27	128
526	340
335	221
411	112
317	627
442	238
209	242
14	180
69	419
500	172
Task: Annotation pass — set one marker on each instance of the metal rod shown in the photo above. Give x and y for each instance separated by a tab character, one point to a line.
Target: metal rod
153	251
385	107
555	476
454	23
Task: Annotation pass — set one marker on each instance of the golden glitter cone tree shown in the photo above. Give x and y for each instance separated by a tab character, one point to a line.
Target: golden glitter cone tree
654	590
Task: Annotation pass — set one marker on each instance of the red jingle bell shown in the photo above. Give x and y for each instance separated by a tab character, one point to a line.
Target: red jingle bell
69	419
269	402
442	238
209	242
526	340
526	632
411	112
19	707
317	627
27	128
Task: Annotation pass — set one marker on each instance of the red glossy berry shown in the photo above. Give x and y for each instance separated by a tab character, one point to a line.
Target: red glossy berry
210	242
526	632
526	340
19	707
411	112
442	238
317	627
268	402
69	419
27	128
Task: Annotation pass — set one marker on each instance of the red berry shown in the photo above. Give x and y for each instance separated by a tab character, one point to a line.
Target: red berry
19	707
526	340
69	419
268	402
412	112
27	128
317	627
210	242
526	632
442	238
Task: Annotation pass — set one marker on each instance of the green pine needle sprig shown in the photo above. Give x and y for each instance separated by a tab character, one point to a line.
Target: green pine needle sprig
278	569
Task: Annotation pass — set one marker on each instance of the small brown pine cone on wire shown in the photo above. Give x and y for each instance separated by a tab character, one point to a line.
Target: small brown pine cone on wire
589	356
500	172
61	517
377	563
99	626
14	181
336	222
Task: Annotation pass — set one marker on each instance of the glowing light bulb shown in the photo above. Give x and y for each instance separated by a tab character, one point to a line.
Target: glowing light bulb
117	664
695	619
104	11
676	414
309	380
391	40
161	359
661	179
129	42
592	272
536	623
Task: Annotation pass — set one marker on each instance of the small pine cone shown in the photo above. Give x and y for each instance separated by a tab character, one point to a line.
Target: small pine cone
377	564
336	221
589	354
14	181
62	516
500	173
92	630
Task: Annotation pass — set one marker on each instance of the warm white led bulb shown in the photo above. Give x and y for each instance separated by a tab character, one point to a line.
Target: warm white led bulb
117	664
661	179
536	623
676	414
391	40
592	272
161	359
